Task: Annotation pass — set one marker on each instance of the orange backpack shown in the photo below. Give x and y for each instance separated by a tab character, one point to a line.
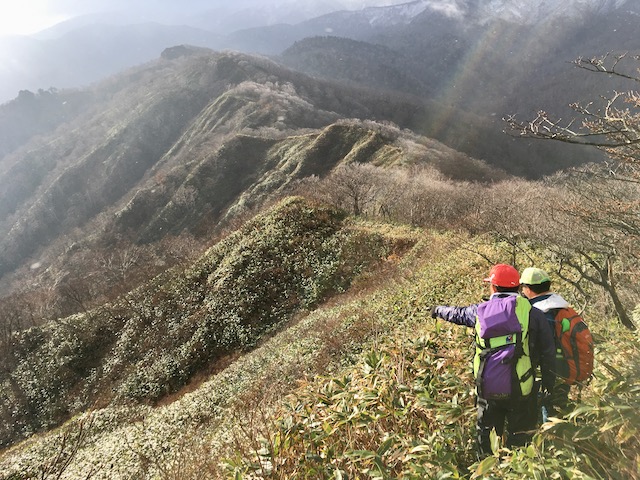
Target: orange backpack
574	339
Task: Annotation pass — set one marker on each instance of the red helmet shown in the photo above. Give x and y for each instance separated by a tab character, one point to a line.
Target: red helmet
503	275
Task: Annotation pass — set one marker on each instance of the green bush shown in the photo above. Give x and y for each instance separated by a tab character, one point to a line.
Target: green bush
152	341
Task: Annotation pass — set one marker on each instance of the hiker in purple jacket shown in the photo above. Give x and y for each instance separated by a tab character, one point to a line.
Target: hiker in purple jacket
512	340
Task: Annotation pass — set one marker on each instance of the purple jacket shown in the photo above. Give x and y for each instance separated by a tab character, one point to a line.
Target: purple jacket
541	344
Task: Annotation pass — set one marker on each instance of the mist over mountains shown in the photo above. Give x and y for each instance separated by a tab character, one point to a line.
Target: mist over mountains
89	47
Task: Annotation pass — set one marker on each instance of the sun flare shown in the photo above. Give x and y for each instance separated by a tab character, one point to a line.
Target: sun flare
25	18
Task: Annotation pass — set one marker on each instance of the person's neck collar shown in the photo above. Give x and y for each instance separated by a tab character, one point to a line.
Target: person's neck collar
543	294
503	294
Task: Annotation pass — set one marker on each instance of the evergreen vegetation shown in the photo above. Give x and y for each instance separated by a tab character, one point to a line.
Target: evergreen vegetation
383	391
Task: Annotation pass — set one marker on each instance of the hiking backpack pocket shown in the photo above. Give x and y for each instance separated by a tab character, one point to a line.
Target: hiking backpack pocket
496	373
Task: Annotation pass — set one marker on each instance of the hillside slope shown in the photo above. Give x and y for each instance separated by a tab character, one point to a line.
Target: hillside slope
366	384
156	339
319	340
210	136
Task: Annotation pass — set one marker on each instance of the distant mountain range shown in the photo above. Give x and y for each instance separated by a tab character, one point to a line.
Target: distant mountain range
486	58
86	49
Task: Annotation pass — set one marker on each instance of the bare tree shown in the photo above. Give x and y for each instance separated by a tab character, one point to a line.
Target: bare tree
600	204
353	186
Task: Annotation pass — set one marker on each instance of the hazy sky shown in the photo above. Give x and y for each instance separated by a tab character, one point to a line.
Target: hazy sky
28	16
24	17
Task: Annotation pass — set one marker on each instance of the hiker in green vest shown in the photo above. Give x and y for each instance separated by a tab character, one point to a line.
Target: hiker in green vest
511	338
573	341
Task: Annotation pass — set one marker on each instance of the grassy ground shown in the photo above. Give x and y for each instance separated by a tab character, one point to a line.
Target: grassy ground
367	385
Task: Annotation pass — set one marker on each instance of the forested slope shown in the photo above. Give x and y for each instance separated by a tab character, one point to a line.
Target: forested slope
154	340
365	385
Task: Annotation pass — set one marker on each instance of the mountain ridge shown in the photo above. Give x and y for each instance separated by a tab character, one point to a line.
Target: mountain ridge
43	58
208	128
526	12
287	259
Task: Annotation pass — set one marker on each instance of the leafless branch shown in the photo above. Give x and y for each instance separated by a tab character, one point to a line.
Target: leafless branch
599	64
